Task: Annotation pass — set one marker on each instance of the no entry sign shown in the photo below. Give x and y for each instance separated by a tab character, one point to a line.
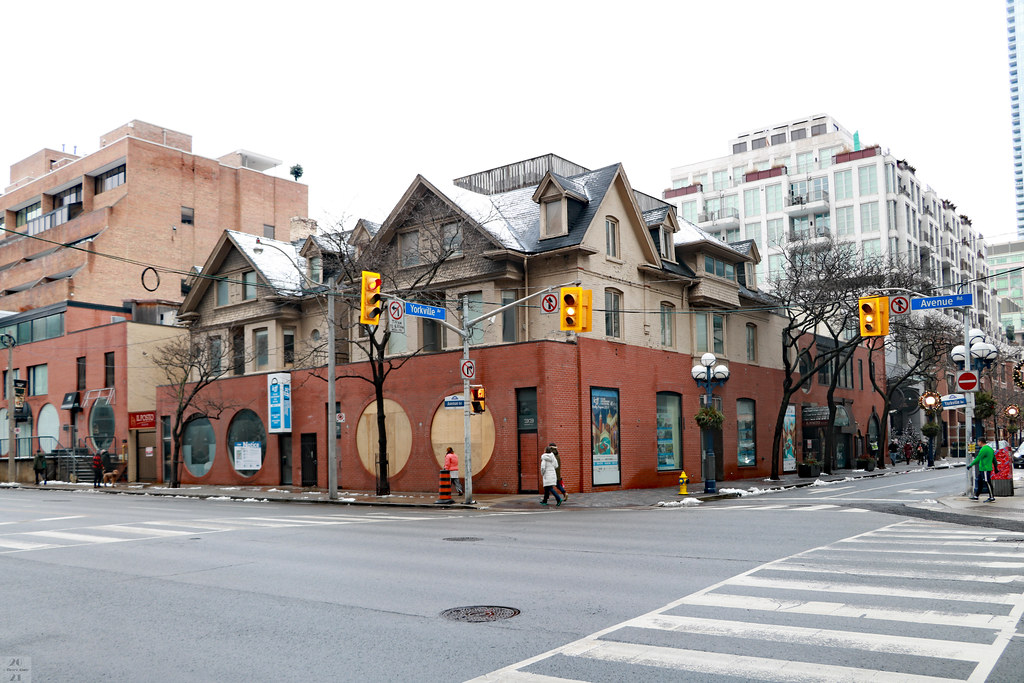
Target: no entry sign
967	380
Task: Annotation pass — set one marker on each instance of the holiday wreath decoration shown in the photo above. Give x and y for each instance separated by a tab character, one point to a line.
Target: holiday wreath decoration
1018	374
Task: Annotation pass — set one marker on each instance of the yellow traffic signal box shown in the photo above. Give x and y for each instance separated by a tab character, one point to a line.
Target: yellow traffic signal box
369	299
571	309
477	401
874	316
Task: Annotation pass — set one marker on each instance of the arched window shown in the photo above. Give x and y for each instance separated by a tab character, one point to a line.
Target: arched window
247	442
48	428
101	423
198	446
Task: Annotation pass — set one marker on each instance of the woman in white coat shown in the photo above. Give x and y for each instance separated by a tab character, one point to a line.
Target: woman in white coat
549	476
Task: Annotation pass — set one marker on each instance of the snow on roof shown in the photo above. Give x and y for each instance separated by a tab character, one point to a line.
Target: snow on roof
278	262
484	210
690	234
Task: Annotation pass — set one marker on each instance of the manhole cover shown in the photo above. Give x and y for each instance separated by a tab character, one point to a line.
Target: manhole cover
479	613
464	538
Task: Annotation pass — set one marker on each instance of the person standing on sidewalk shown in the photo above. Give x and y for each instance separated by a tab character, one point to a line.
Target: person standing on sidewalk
39	465
558	471
451	463
549	477
97	470
984	460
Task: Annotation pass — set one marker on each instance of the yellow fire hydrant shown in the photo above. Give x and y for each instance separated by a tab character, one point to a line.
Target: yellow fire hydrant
682	484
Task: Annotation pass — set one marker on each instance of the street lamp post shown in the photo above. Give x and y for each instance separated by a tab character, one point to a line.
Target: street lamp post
982	355
332	443
708	376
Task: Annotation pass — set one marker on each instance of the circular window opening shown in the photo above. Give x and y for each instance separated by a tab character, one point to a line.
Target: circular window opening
198	446
248	442
101	423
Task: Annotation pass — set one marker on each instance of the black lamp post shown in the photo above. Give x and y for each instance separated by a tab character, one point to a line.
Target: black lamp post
708	376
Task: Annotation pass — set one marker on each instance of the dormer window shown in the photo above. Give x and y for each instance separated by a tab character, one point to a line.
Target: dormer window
667	248
316	269
553	218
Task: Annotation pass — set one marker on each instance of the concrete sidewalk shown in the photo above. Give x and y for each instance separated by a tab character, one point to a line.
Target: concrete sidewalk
1009	507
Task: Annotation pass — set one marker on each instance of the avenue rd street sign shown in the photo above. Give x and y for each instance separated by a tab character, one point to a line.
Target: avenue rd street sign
950	301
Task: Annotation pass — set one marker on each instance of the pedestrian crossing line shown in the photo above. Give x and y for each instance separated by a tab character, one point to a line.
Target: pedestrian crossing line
871	565
944	553
14	544
198	525
145	531
745	666
908	542
841	609
887	643
917	575
869	589
77	538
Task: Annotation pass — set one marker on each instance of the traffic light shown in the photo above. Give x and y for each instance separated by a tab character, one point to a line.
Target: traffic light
588	313
476	395
369	299
571	313
874	316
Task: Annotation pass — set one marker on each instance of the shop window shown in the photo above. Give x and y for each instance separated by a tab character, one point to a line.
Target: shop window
247	442
746	433
198	446
670	434
101	424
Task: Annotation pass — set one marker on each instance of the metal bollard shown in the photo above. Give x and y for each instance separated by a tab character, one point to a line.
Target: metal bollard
683	481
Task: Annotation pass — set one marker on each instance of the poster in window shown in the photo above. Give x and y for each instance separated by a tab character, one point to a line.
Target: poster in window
789	440
604	427
668	431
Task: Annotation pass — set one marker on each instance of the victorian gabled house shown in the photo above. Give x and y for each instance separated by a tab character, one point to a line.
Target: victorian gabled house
617	399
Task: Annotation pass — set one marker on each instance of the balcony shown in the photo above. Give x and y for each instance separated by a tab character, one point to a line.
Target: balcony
767	173
722	218
808	232
805	204
859	154
53	218
681	191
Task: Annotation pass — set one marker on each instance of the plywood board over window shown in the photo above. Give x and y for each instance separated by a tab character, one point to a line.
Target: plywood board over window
399	433
447	428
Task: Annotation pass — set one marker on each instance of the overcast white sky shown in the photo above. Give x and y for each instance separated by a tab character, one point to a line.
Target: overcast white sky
366	95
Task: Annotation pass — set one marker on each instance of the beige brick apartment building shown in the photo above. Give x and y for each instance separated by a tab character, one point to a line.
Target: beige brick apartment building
107	239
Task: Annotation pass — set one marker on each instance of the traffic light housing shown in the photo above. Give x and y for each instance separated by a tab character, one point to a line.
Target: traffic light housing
369	299
588	313
571	309
476	395
874	316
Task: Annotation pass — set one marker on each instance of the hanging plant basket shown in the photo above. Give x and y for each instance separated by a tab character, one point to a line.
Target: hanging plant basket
709	418
930	429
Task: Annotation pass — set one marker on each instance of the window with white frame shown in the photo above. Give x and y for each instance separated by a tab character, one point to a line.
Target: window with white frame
773	198
719	180
249	285
688	211
776	231
668	321
776	266
867	180
869	217
737	174
509	323
752	231
316	269
845	225
409	246
261	348
553	218
476	309
611	237
844	184
452	236
709	332
752	202
871	248
37	380
718	267
804	162
668	251
612	313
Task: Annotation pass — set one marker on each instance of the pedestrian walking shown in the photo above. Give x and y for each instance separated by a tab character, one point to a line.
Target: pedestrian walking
558	471
549	477
893	450
908	450
451	463
920	453
984	461
39	465
97	470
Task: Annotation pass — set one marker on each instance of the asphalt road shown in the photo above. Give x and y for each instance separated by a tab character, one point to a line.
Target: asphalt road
854	581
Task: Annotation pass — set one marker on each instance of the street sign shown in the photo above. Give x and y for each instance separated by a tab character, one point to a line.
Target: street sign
967	380
951	301
899	305
549	302
455	401
468	369
424	311
396	316
953	401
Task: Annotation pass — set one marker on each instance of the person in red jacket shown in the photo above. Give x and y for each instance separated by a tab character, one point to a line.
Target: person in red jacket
97	470
451	463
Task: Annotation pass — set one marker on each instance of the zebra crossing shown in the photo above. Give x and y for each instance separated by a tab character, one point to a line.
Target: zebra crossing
21	541
943	609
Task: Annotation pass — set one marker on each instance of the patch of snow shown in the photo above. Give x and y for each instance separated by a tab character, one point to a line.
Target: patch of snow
752	491
684	503
255	500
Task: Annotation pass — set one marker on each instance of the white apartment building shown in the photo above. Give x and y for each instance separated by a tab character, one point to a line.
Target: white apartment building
811	177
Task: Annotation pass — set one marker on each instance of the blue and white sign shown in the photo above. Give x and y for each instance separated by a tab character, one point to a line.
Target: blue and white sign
951	301
424	311
953	401
455	401
279	402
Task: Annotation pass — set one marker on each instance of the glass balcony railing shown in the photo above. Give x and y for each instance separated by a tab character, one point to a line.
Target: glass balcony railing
53	218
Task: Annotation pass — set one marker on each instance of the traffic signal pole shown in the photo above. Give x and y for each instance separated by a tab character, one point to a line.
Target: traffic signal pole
465	332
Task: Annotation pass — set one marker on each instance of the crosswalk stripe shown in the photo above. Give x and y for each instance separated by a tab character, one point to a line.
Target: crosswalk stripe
741	666
868	589
840	609
916	575
15	544
147	531
907	551
904	645
193	524
78	538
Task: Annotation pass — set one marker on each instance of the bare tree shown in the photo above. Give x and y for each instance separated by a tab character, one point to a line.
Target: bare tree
414	255
191	364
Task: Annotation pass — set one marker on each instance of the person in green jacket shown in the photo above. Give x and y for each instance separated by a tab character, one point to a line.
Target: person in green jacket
39	465
984	460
